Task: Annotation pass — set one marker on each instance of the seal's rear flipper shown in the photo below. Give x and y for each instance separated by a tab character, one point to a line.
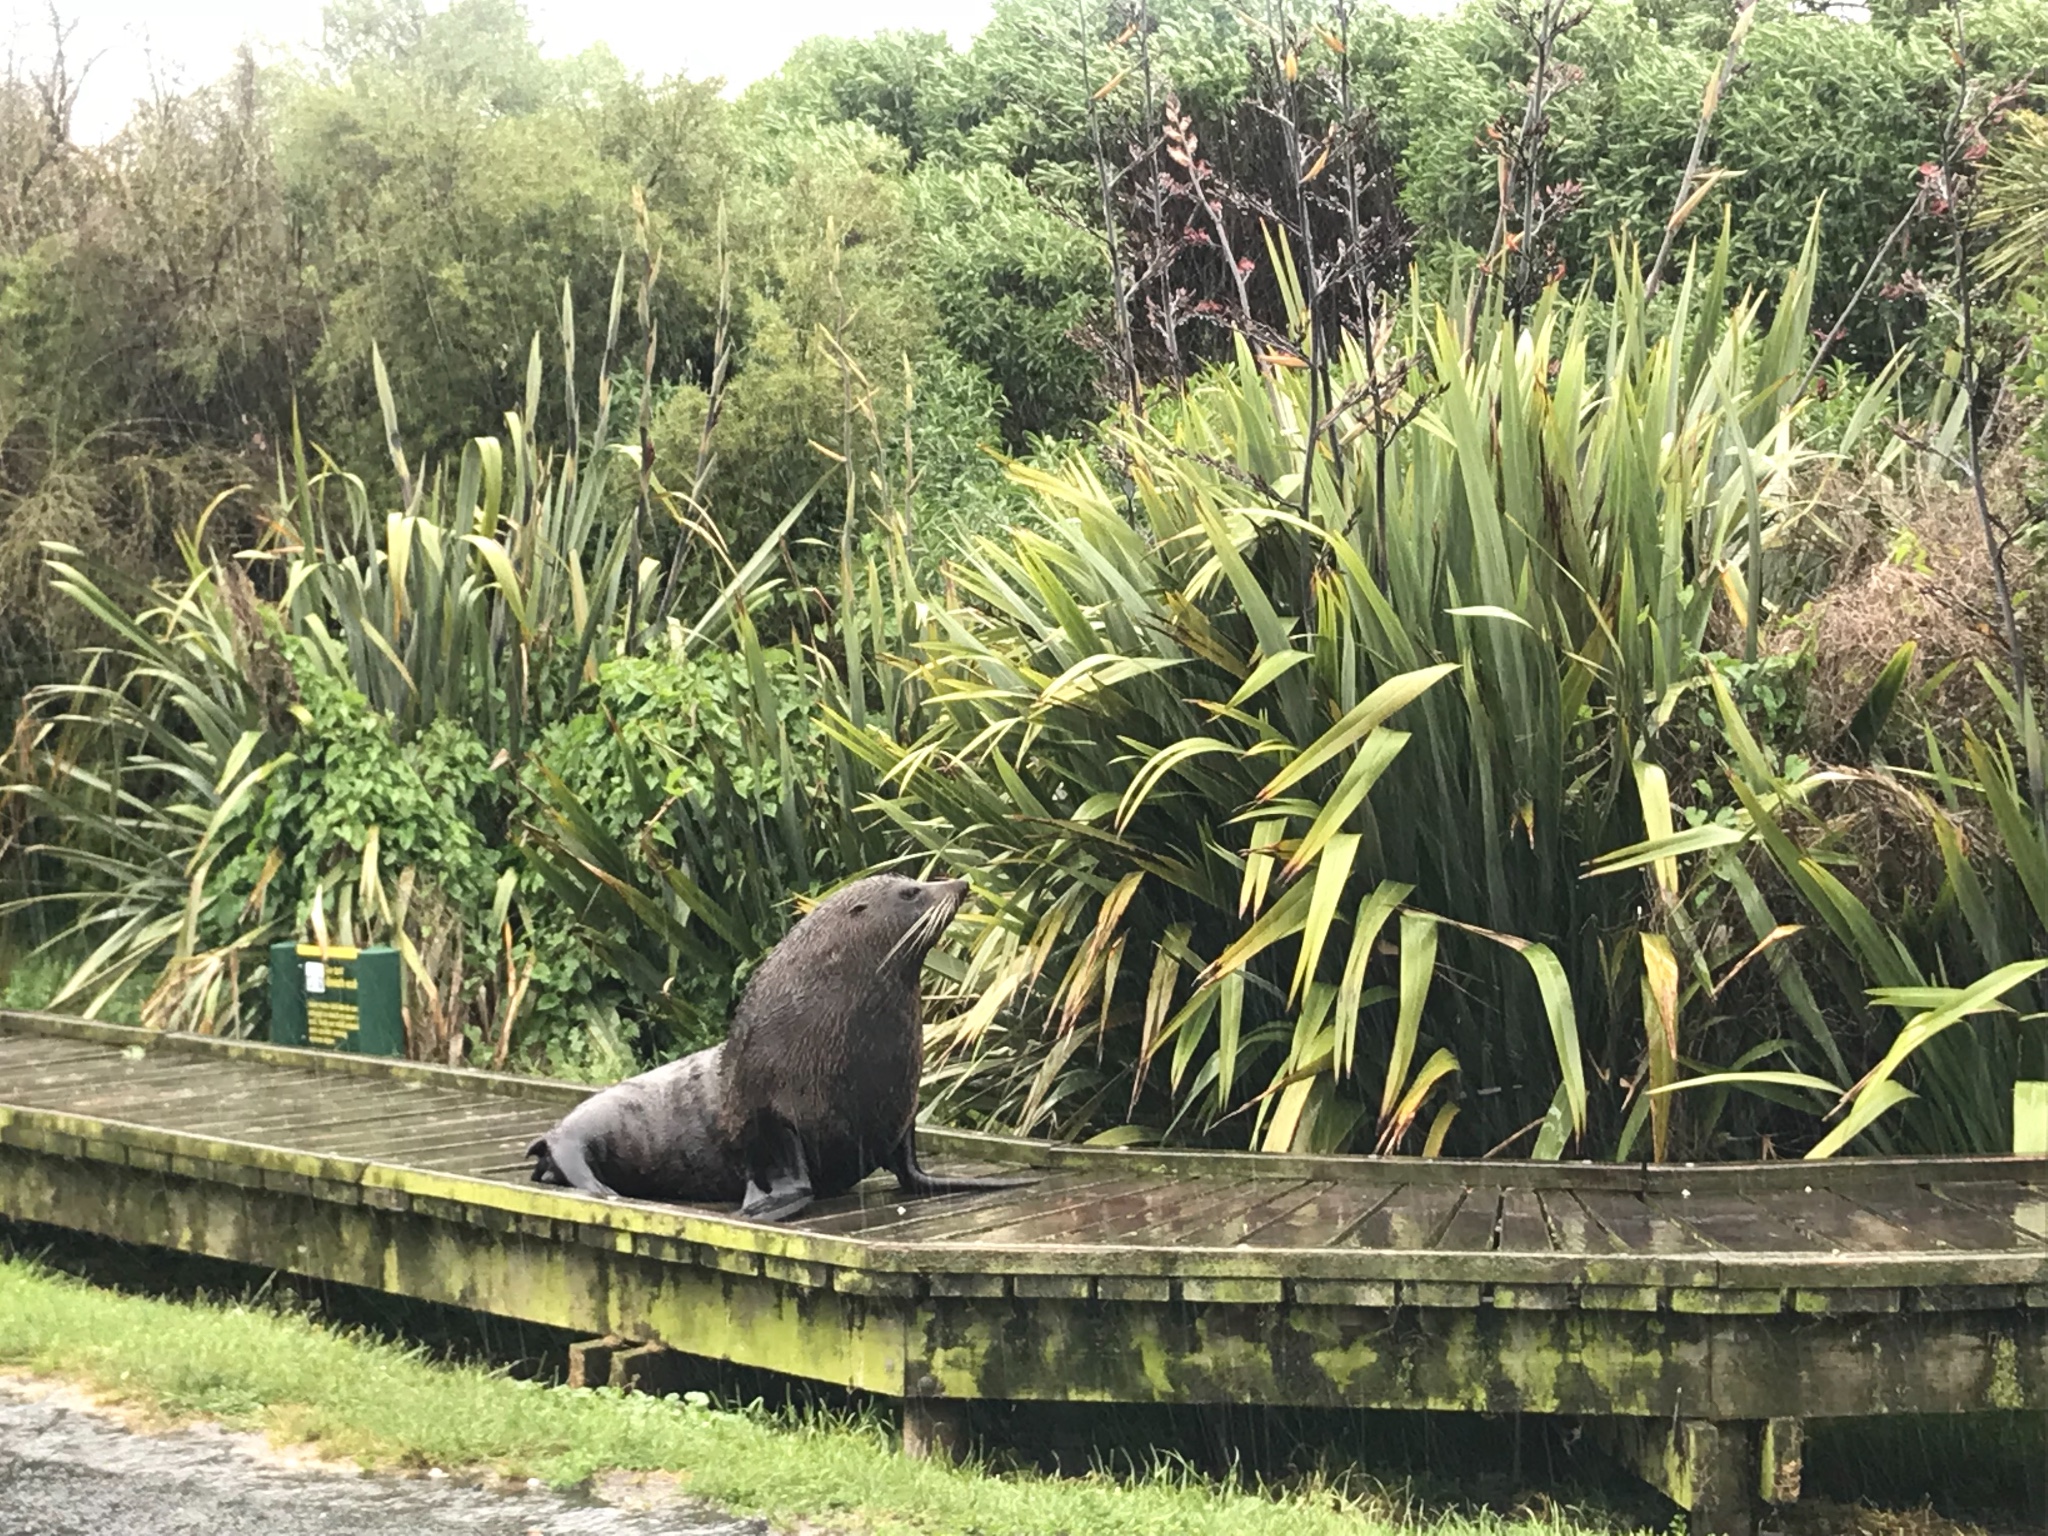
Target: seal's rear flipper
544	1169
561	1161
912	1178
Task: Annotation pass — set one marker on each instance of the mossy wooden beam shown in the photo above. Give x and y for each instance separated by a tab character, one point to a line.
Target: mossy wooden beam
600	1280
1706	1282
579	1279
1710	1470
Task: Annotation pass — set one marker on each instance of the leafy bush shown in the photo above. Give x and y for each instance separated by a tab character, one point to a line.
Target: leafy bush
691	788
230	770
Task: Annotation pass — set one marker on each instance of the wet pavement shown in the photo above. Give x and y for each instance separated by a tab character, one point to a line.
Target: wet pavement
68	1471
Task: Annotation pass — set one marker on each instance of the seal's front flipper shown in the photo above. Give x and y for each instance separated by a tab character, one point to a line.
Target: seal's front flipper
560	1160
781	1200
912	1178
778	1183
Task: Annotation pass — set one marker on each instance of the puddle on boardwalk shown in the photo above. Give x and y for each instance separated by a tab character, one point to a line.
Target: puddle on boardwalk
67	1471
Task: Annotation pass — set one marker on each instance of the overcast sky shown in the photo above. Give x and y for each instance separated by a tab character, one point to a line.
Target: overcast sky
185	43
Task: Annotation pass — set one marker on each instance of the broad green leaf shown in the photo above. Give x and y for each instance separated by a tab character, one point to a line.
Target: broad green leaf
1868	1105
1418	968
1372	761
1374	709
1876	708
1333	873
1440	1065
1660	1029
1556	1130
1264	673
1373	913
1960	1003
1654	795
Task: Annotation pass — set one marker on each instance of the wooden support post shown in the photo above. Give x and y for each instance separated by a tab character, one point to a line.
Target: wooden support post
1783	1460
1713	1471
651	1368
590	1361
934	1428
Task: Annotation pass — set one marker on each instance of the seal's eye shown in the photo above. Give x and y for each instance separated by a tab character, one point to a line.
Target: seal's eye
910	893
859	907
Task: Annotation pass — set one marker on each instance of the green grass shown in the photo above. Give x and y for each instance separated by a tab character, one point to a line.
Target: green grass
358	1399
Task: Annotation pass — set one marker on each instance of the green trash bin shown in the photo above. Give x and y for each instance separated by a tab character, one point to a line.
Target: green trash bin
340	998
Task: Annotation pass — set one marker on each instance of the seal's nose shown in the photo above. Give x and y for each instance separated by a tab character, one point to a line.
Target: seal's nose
957	889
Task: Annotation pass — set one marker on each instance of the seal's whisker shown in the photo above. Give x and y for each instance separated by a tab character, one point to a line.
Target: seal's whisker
908	941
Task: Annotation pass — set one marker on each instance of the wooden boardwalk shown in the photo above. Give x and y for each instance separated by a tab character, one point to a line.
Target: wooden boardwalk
1695	1315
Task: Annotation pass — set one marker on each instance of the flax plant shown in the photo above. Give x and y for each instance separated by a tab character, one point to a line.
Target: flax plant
1298	863
1960	972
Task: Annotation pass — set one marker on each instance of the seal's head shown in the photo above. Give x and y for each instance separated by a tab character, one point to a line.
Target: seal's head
902	918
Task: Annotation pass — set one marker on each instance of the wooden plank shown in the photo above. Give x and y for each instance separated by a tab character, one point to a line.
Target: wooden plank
316	1106
2022	1206
333	1135
93	1075
1845	1226
259	1098
1707	1469
1523	1228
965	1218
1322	1219
518	1173
479	1131
1949	1225
157	1073
1739	1224
58	1069
1144	1214
185	1101
332	1066
1222	1208
1475	1226
876	1206
1225	1219
487	1157
1234	1291
1408	1221
1641	1227
20	1053
1237	1225
377	1131
1575	1229
1824	1303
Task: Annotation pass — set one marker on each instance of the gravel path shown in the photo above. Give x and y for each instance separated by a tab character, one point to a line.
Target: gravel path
68	1471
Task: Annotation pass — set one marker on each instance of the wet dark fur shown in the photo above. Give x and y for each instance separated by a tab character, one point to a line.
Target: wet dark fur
814	1090
658	1136
827	1045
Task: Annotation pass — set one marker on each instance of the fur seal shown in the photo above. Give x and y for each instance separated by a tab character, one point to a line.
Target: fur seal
815	1088
827	1046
